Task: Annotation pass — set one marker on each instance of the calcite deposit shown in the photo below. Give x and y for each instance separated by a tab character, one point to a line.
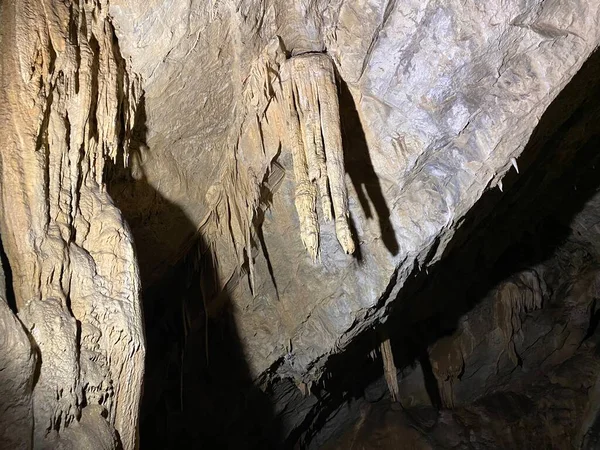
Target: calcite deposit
294	170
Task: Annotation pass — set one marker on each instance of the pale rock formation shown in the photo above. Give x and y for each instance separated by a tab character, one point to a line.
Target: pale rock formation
68	104
514	299
288	105
389	370
311	102
17	364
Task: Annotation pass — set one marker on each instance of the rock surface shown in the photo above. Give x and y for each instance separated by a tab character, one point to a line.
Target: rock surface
436	99
229	132
68	105
17	365
519	371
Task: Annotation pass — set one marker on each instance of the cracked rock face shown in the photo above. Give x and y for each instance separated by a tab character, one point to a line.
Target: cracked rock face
308	158
436	99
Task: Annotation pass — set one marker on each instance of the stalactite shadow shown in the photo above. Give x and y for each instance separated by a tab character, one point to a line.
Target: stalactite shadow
198	391
360	168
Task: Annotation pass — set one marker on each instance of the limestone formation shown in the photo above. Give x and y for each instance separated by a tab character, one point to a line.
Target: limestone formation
515	299
332	153
447	363
68	107
17	365
389	369
311	106
435	101
289	105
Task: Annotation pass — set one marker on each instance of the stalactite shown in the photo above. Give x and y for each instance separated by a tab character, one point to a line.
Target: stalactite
290	104
310	94
389	369
521	295
447	363
305	196
70	105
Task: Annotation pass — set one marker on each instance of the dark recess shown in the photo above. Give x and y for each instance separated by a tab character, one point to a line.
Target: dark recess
197	390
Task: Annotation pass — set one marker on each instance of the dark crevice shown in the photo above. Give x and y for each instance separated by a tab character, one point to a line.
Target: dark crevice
95	70
429	380
594	320
52	55
268	187
42	136
123	84
7	279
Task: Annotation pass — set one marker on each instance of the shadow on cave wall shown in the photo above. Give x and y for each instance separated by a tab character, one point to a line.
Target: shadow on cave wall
502	234
360	169
198	392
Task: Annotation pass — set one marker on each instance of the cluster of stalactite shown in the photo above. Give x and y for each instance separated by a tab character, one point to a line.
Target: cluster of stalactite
68	107
289	104
313	123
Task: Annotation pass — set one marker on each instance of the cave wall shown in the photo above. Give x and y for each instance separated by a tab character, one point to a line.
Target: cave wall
436	100
73	343
540	229
142	132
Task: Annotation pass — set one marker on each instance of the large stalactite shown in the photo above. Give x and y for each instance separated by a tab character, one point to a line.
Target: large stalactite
68	107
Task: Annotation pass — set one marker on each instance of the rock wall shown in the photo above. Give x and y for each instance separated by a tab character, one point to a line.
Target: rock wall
68	104
393	117
437	101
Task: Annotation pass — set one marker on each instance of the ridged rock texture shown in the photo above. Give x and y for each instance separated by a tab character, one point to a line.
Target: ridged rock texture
311	157
436	100
68	104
